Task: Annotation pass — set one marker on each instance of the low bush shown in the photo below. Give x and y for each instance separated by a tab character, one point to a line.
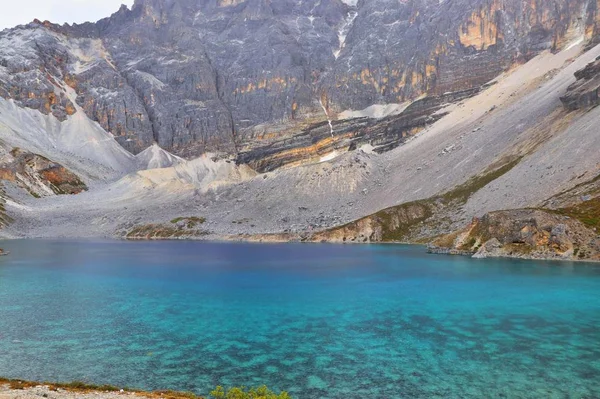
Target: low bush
244	393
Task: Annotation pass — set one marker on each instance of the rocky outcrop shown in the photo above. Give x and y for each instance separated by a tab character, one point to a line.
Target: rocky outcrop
196	76
526	233
567	227
585	92
38	175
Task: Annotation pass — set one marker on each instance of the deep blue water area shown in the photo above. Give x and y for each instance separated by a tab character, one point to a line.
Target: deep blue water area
317	320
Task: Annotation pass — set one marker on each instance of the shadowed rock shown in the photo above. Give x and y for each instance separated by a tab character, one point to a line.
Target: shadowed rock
585	92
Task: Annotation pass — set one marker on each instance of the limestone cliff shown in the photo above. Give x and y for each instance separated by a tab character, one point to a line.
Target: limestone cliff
224	76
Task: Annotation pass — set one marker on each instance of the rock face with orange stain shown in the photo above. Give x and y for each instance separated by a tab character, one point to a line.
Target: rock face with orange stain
526	233
196	76
432	47
39	175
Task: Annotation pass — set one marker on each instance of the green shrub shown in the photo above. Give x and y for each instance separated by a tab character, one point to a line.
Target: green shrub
191	221
242	393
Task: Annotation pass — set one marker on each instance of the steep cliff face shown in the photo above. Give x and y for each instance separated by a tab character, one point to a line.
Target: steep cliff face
32	68
44	69
198	75
399	51
592	31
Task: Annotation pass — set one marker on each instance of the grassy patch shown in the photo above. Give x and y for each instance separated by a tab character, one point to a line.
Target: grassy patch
76	386
244	393
155	231
518	248
444	240
469	245
587	213
463	192
175	395
191	221
164	232
397	223
81	387
4	218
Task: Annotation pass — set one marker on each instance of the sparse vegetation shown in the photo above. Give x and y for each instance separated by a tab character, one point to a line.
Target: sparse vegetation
4	218
518	248
81	387
464	191
178	228
244	393
469	245
587	212
174	395
76	386
398	222
191	221
402	223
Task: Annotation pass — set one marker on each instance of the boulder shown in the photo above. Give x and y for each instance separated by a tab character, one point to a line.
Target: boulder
585	92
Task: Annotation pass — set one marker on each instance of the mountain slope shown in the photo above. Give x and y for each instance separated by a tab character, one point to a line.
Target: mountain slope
447	112
470	140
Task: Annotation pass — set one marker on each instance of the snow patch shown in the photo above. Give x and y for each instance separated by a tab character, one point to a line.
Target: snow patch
367	149
575	43
331	156
151	79
376	111
327	115
343	32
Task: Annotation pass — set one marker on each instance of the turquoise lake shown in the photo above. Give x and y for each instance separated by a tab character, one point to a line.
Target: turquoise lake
317	320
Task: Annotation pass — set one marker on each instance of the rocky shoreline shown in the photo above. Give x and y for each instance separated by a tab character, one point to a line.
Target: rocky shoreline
20	389
492	248
435	250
